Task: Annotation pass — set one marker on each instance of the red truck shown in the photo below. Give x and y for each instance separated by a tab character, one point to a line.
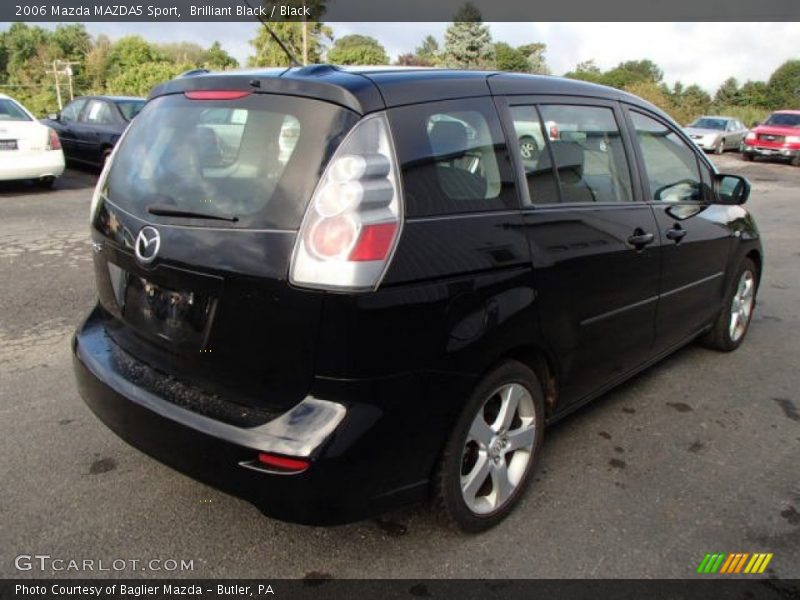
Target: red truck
777	137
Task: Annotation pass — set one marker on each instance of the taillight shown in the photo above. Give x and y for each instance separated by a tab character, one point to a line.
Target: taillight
354	218
53	143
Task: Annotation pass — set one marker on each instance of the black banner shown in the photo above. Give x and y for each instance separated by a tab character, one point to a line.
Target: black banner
402	11
308	589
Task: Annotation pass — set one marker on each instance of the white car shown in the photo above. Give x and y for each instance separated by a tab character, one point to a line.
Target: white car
28	149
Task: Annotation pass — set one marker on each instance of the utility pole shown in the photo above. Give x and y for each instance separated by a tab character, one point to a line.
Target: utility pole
65	67
58	87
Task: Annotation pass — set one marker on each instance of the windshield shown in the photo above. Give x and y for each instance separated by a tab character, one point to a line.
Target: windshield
11	111
708	123
256	159
130	108
783	120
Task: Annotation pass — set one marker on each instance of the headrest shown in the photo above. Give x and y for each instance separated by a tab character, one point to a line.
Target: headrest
568	155
448	138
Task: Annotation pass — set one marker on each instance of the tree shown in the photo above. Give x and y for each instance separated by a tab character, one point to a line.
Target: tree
217	59
428	50
534	53
185	53
754	93
131	51
728	93
140	79
269	54
467	41
784	86
357	50
412	60
97	63
633	71
510	59
586	70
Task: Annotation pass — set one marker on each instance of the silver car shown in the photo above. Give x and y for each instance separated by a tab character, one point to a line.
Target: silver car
717	133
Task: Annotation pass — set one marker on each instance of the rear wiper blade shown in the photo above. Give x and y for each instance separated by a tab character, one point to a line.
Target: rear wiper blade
163	210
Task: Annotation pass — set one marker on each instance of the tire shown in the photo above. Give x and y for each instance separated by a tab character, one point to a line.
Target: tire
528	147
45	183
720	147
796	160
724	336
747	157
479	465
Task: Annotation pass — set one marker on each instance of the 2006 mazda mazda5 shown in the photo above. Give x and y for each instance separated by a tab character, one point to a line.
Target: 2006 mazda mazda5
331	292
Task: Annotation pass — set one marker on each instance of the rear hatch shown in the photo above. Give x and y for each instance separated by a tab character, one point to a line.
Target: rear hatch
194	227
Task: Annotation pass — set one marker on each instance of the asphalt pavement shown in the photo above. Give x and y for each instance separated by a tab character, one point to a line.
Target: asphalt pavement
699	454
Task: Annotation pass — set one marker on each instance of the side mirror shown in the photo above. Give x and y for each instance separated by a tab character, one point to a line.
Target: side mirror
54	116
732	189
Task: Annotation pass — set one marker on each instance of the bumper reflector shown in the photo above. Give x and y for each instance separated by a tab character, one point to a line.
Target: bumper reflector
282	462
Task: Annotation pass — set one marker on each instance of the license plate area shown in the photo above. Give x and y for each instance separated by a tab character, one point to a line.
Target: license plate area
8	145
177	315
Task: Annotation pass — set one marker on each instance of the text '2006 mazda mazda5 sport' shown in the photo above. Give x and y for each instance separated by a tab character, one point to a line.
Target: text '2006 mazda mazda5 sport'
332	292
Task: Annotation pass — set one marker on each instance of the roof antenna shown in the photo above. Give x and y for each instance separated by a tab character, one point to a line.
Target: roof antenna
292	60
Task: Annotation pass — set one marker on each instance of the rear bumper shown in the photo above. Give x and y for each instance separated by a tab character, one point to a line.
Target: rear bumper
44	164
356	470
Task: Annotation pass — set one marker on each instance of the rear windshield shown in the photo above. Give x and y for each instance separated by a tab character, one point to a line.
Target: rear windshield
11	111
256	159
130	108
783	120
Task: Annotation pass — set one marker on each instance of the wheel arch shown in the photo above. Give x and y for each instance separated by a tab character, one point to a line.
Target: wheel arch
545	367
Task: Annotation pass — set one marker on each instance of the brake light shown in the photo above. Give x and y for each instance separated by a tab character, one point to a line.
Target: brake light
283	463
353	221
53	143
215	94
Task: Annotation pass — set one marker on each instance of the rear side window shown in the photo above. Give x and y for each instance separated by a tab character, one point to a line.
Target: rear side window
452	158
671	165
98	112
256	159
588	153
11	111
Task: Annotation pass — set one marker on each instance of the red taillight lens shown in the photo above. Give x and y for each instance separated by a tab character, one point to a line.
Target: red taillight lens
215	94
53	143
282	462
333	237
375	242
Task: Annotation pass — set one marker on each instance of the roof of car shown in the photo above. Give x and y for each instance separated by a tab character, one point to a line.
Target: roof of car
114	98
367	89
788	112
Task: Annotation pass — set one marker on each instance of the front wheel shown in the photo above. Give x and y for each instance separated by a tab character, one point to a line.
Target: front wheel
733	321
490	455
747	157
796	160
720	149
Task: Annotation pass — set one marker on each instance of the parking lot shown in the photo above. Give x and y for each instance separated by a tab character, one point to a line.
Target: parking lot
699	454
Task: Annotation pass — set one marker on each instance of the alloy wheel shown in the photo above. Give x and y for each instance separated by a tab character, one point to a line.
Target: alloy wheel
498	448
742	306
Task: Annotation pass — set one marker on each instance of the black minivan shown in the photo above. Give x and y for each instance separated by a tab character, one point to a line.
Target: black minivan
331	292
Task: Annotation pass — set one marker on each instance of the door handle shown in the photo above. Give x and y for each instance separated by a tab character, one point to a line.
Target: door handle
640	238
676	233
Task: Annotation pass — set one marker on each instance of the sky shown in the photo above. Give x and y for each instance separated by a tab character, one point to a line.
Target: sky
701	53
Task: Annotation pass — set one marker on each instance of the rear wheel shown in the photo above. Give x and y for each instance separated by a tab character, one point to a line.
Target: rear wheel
45	182
733	321
490	455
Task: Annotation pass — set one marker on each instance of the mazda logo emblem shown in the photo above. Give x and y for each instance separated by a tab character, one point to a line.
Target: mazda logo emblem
147	244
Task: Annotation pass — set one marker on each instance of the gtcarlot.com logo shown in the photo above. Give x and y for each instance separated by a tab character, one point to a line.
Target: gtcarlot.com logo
735	563
46	562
